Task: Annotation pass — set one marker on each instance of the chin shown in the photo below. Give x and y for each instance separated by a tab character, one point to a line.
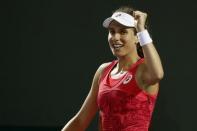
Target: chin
118	54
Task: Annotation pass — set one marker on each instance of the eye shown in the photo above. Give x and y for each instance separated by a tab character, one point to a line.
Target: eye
123	32
111	32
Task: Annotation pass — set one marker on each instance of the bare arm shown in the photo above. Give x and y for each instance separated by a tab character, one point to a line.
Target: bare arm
89	108
152	70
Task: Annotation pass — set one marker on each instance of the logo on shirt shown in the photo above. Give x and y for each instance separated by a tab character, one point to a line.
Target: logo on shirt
128	79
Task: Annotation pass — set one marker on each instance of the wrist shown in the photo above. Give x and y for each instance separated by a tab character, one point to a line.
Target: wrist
144	37
140	28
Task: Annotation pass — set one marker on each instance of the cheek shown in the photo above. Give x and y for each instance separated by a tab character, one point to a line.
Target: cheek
130	40
125	41
130	43
109	38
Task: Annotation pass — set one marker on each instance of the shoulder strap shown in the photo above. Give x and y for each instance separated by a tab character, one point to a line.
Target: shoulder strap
135	65
107	69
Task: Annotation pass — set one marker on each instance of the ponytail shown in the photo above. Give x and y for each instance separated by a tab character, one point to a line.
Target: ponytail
139	50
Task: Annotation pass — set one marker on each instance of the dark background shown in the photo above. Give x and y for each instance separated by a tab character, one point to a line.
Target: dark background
50	50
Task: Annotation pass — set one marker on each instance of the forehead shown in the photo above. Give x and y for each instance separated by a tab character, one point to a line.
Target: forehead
115	25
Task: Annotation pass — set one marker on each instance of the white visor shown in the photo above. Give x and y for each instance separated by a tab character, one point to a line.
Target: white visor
122	18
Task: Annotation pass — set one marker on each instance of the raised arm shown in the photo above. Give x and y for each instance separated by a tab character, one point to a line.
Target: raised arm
152	67
89	108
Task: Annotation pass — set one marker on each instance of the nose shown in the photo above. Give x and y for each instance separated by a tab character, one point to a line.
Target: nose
116	37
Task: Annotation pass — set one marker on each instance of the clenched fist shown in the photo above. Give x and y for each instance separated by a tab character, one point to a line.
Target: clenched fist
141	20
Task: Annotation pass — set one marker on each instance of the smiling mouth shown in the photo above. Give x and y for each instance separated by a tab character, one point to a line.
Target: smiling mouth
117	46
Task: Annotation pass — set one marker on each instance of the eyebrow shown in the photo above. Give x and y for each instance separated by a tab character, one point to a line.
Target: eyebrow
109	28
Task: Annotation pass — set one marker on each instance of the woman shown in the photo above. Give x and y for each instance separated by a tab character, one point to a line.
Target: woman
124	90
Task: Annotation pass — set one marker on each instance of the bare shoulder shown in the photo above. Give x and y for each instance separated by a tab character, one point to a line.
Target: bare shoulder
99	73
100	70
103	66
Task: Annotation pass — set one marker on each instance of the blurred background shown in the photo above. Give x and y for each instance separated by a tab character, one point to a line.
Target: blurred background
50	50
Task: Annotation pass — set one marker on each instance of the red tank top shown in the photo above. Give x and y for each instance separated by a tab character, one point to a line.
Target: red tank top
123	105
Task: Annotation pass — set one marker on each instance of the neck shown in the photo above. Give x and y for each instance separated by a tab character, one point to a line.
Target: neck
124	63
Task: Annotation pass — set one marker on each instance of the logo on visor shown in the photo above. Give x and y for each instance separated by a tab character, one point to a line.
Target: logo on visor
118	15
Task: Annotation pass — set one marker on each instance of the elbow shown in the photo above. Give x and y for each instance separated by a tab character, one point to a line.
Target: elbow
159	76
156	78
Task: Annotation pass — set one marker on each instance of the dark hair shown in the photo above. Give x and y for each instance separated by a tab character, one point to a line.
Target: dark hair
129	10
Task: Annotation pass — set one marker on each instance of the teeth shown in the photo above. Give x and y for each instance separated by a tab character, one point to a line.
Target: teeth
117	45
